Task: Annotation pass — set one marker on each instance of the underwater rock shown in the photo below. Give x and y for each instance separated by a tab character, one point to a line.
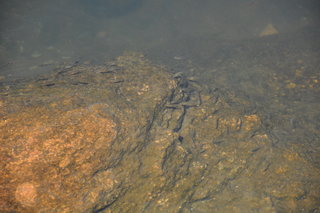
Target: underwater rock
128	136
268	30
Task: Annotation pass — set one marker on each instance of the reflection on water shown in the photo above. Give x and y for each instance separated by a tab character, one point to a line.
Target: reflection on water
263	54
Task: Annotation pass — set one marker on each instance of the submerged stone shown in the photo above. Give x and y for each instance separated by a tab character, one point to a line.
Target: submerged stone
130	137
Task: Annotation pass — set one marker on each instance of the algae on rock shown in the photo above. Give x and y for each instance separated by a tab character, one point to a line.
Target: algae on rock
128	136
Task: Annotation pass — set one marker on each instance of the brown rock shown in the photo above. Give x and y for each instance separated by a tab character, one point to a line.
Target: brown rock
268	30
129	137
26	194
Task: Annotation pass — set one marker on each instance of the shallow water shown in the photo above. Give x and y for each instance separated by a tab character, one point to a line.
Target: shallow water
266	53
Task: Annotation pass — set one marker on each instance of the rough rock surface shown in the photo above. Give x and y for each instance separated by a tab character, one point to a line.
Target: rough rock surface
130	137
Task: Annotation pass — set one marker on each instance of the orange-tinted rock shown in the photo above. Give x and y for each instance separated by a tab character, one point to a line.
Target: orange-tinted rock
55	151
26	194
128	137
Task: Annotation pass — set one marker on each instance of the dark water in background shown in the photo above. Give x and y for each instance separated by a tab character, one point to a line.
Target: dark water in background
216	41
37	32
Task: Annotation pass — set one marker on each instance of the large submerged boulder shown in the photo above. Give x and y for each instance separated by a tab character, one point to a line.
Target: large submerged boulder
128	136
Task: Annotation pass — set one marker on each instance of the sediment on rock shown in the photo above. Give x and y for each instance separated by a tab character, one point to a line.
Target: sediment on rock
128	136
